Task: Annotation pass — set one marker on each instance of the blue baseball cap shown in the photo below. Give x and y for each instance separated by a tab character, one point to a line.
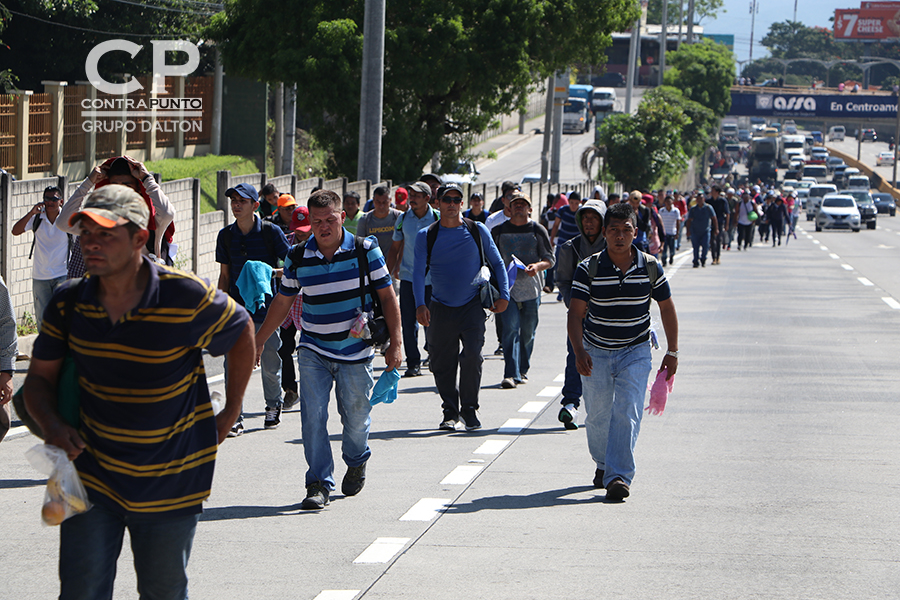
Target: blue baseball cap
244	190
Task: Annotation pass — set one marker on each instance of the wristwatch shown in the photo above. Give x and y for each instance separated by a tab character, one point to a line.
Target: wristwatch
672	353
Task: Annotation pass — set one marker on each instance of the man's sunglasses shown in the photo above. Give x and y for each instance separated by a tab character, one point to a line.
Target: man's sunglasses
46	199
452	199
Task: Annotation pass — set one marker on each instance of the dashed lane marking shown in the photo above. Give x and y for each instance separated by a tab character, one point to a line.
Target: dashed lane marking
532	407
823	248
847	267
426	509
550	392
381	550
892	303
561	378
514	425
492	447
337	595
834	256
462	475
864	281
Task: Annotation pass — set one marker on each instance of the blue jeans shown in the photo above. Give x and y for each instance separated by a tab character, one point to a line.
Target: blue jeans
352	385
90	544
43	289
668	249
409	324
270	367
520	321
614	403
700	242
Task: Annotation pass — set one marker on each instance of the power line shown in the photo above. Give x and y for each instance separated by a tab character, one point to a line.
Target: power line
110	33
154	7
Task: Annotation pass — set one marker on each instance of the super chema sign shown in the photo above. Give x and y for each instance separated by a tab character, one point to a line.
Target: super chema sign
786	104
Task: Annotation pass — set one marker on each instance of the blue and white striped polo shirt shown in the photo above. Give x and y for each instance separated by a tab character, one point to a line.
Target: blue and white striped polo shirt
331	296
618	303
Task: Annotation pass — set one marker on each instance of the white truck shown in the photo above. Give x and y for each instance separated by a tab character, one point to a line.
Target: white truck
793	147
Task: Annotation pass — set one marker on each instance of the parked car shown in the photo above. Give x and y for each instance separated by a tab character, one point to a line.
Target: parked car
884	159
866	206
884	203
838	211
869	135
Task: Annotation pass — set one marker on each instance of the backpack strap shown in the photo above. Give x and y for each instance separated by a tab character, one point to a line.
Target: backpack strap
34	227
652	268
268	234
363	259
430	238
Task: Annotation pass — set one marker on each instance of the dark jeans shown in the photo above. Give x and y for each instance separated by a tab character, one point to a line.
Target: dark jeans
286	352
571	392
700	242
90	544
410	325
668	249
777	230
451	326
520	321
716	244
745	235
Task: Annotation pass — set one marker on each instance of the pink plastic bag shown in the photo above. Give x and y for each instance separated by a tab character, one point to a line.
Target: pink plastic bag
659	392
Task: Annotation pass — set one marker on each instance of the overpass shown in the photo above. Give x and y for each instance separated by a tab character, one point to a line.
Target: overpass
806	103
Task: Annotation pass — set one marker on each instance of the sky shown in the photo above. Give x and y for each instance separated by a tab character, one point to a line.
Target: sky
736	20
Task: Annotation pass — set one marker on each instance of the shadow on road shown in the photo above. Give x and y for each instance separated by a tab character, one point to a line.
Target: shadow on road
538	500
8	484
226	513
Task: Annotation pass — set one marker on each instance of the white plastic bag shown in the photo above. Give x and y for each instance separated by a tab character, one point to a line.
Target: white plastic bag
65	495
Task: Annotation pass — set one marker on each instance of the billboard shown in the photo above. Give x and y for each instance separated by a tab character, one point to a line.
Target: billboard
882	22
844	106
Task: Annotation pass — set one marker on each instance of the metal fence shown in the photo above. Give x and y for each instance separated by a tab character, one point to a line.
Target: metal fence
73	133
9	123
39	127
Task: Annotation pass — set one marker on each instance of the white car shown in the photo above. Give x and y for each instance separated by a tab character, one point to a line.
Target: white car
838	211
884	158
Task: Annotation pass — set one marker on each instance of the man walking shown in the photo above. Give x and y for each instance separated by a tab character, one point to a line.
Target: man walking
252	240
609	328
671	219
589	219
522	239
146	444
454	314
720	206
701	225
50	248
324	269
403	254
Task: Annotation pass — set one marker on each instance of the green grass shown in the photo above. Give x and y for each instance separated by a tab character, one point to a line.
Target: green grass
204	168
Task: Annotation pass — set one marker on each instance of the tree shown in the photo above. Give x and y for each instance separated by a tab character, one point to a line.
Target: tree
451	66
703	9
704	73
646	147
54	43
701	123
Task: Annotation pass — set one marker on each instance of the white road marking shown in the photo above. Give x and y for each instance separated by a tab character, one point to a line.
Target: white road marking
462	475
533	407
814	241
832	255
221	376
892	303
337	595
381	550
864	281
549	392
492	447
820	247
426	509
16	430
561	378
514	425
847	267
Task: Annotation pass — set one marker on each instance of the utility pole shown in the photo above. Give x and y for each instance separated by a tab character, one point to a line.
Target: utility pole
215	145
290	129
680	23
548	130
560	94
795	11
754	8
690	22
632	64
279	129
372	94
663	36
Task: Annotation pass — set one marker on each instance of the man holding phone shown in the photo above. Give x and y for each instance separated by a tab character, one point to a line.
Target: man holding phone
50	248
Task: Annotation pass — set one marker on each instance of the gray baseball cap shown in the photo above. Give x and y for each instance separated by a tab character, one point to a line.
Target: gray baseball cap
114	205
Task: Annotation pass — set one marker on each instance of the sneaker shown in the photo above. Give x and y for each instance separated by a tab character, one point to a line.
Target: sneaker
598	479
316	497
448	425
567	416
508	383
470	420
236	429
413	372
617	490
291	398
498	351
273	418
354	480
523	378
427	363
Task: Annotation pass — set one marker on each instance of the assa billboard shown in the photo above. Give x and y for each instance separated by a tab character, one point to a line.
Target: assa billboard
846	106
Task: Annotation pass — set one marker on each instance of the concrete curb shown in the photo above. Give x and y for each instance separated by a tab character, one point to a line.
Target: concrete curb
26	344
505	148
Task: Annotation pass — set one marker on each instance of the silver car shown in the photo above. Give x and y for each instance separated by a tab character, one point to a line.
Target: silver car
838	211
